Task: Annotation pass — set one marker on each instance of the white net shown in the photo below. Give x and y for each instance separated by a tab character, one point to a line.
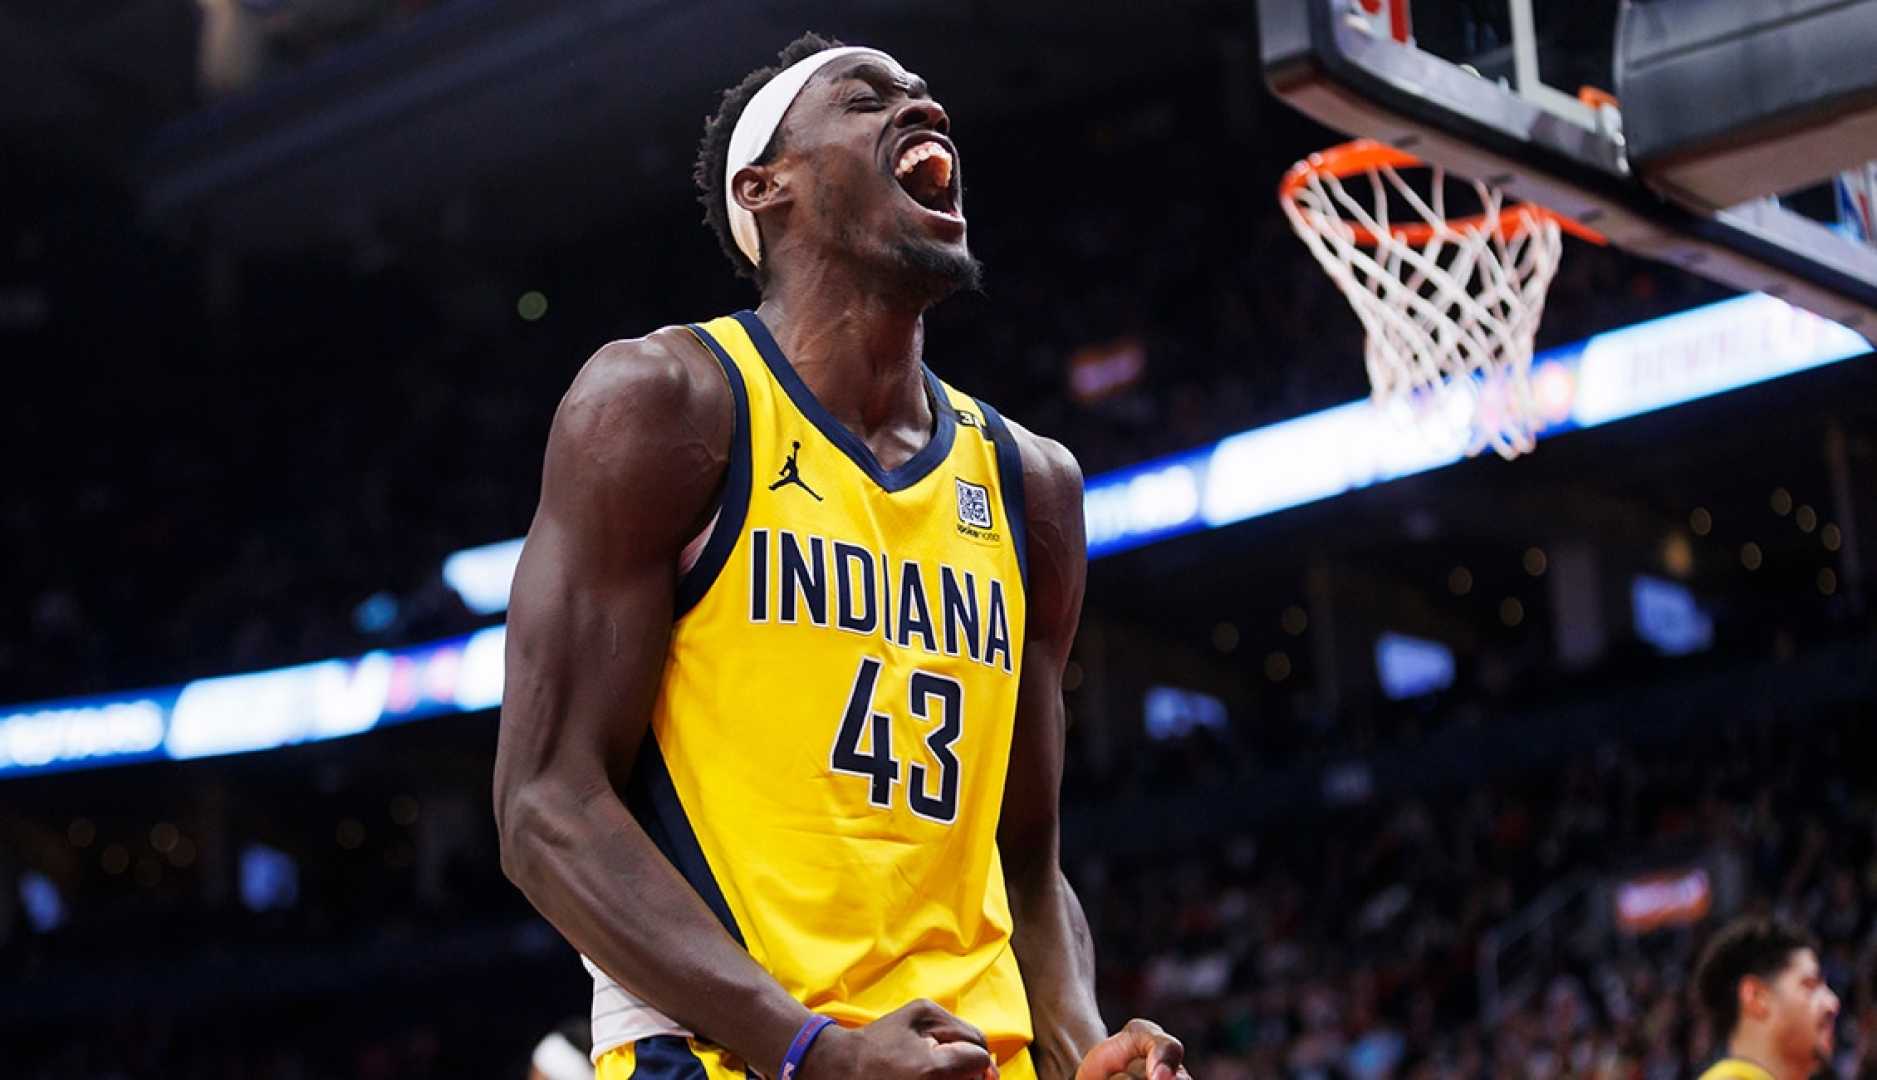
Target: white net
1451	308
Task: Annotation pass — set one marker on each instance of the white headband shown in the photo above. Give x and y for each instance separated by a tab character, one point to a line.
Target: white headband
758	125
559	1059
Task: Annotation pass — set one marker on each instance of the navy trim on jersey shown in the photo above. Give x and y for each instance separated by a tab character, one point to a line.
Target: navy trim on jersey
666	1057
916	468
733	507
653	800
1010	473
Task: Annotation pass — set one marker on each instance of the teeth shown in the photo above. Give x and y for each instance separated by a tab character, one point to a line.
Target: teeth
911	158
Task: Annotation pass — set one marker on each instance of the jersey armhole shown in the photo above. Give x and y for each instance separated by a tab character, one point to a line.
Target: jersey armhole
733	506
1010	483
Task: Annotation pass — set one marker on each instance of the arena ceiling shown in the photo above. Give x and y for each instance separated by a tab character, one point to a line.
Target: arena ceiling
595	102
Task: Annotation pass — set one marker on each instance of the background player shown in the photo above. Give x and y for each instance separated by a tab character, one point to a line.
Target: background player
1759	984
650	456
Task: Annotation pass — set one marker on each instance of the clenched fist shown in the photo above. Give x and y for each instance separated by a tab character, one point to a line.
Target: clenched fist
1139	1051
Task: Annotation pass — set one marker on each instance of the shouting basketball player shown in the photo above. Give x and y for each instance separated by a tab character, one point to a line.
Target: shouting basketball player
782	734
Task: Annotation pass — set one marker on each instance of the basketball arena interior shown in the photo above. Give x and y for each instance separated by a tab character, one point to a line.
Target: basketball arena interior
1430	765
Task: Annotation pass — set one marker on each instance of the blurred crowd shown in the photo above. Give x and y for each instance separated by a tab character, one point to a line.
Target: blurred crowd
1350	946
1340	943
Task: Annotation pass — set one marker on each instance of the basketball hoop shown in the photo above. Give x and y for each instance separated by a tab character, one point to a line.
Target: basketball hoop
1451	306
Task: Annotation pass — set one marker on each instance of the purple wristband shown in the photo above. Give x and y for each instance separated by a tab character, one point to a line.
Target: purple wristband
804	1039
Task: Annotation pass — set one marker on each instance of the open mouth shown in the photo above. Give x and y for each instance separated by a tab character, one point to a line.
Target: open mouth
926	172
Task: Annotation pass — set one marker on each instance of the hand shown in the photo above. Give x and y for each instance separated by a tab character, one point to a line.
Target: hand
918	1041
1140	1050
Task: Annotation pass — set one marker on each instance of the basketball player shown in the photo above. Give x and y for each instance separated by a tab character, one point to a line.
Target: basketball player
1759	984
782	731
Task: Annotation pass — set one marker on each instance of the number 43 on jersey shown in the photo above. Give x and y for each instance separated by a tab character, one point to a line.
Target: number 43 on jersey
929	698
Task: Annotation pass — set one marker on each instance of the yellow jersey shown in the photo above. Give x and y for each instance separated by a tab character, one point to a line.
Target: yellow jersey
828	749
1735	1069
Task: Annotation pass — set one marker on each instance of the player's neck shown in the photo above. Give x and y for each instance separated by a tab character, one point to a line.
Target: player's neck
859	353
1758	1048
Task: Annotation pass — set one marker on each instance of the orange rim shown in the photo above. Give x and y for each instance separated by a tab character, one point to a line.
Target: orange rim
1596	97
1367	155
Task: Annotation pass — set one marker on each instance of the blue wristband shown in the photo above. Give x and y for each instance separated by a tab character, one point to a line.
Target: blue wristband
804	1039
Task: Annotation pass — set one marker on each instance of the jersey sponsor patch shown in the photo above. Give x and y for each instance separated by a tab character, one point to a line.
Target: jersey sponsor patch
974	505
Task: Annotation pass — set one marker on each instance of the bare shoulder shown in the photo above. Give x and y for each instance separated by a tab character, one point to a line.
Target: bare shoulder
646	386
645	427
1052	478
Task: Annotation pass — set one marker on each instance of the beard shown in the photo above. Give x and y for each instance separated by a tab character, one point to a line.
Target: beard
910	265
933	272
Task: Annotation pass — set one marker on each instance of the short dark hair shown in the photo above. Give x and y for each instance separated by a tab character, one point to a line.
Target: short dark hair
1750	946
713	152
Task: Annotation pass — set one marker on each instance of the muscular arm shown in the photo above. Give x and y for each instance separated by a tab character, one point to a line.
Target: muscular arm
1051	938
637	451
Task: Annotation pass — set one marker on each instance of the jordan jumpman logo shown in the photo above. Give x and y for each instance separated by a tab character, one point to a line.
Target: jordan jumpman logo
791	474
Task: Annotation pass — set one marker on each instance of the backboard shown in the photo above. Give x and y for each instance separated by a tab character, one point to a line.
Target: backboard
1700	120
